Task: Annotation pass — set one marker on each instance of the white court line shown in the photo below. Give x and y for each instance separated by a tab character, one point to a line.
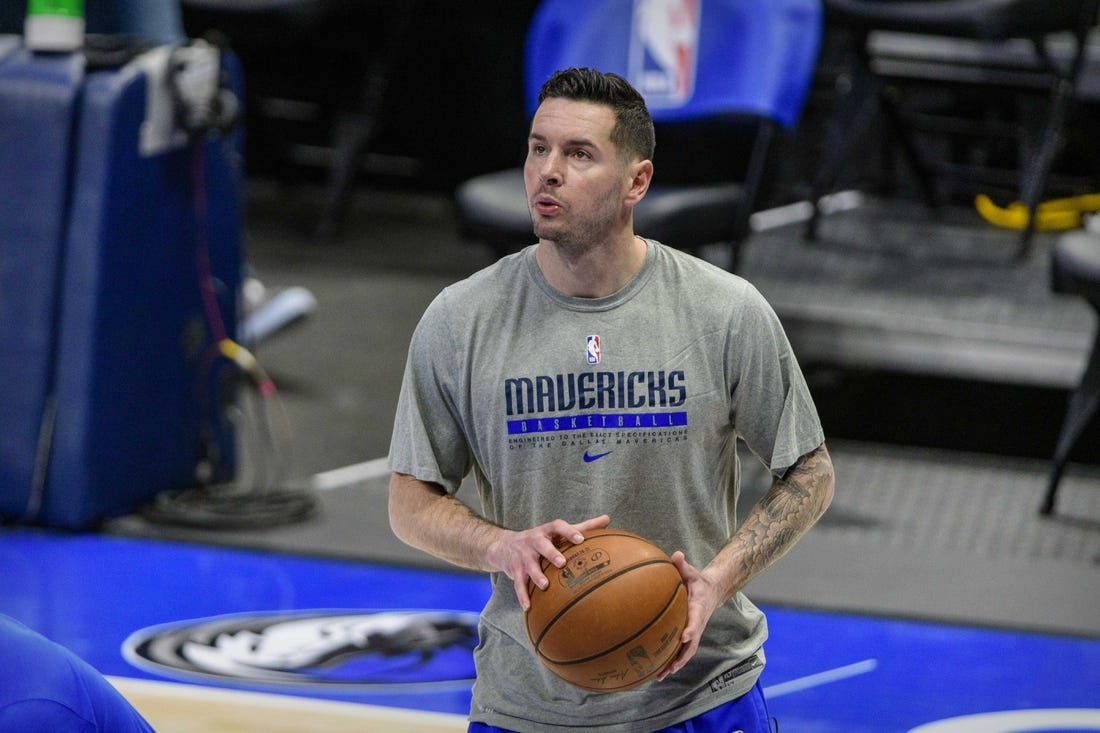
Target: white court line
799	211
1016	721
348	475
821	678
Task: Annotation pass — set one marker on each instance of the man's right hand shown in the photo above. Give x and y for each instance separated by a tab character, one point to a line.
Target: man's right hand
519	554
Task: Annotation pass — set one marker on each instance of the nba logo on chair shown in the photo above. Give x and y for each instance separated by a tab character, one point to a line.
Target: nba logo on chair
664	46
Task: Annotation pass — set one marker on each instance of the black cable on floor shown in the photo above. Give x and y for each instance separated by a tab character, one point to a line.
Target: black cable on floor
228	507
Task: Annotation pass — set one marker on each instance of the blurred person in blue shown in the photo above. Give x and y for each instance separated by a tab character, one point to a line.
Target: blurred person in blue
46	687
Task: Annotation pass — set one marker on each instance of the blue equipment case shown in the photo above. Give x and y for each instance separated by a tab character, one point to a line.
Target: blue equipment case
110	382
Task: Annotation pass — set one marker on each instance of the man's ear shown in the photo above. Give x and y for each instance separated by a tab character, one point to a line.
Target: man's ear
641	173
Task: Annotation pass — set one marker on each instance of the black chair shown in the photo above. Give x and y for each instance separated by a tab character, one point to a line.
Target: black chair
313	64
1075	270
739	75
996	23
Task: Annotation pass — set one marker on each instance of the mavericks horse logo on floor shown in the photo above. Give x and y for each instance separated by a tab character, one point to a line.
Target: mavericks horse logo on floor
313	648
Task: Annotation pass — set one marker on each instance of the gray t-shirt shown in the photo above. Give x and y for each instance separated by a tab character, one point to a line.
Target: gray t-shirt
628	405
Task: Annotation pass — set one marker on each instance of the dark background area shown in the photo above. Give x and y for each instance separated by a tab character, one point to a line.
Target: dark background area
939	412
453	102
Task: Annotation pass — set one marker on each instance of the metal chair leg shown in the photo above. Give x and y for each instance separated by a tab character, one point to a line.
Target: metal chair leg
1082	408
1035	178
853	116
356	129
1062	94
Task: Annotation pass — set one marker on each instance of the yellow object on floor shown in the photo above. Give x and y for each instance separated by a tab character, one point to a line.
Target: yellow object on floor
1051	215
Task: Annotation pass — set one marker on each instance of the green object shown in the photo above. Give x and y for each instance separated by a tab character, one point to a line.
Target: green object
54	26
67	8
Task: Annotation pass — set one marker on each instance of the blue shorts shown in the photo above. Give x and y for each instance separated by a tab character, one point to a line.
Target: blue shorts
747	714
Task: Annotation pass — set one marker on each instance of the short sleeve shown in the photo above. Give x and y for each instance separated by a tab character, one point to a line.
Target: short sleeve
428	439
771	406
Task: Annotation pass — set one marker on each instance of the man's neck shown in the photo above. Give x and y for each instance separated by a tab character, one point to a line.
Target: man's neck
595	272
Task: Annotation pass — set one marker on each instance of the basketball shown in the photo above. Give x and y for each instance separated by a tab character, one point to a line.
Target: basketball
611	618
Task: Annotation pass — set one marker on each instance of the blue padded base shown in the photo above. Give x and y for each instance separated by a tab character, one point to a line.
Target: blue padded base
124	383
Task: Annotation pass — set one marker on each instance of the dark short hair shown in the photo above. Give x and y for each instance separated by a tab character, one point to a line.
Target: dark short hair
633	131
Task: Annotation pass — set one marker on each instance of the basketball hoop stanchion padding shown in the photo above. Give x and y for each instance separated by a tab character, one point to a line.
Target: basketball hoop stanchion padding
109	391
611	618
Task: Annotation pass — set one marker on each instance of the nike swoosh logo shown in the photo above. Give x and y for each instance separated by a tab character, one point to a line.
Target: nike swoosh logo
589	458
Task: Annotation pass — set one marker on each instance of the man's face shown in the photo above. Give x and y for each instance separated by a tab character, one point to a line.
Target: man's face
576	183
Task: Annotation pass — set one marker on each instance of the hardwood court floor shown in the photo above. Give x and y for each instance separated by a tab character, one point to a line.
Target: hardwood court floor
176	708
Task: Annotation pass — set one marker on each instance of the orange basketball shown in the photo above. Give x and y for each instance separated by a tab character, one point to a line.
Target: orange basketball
611	618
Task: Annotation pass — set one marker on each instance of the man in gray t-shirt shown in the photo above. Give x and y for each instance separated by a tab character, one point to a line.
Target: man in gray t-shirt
599	377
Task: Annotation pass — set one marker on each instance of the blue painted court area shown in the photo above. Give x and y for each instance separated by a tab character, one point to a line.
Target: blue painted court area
401	637
851	673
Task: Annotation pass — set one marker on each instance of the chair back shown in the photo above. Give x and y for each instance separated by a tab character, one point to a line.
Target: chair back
989	20
689	58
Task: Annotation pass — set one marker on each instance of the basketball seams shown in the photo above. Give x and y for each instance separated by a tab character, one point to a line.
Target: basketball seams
549	624
640	629
657	616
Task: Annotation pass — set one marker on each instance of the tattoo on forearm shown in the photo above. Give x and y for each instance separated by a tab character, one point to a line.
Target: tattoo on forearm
791	506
